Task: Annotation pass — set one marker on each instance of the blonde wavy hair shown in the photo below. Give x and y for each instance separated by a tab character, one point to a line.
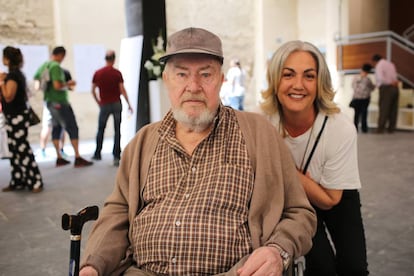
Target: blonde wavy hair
325	93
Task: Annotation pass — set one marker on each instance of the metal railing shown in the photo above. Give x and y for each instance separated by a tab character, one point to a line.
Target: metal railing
391	40
409	32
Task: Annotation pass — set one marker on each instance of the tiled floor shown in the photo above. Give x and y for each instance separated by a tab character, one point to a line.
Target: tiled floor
32	241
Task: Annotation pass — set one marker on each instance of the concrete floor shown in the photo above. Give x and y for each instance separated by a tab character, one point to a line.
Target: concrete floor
32	241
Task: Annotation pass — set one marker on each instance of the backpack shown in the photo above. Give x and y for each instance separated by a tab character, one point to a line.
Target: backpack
44	79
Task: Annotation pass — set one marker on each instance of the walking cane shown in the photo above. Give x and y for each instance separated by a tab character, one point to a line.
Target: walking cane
74	223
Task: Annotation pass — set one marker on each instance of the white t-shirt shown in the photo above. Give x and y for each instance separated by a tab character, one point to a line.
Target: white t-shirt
334	164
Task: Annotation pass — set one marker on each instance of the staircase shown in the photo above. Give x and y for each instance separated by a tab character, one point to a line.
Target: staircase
355	50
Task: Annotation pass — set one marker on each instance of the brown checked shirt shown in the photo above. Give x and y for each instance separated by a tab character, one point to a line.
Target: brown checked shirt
279	212
196	207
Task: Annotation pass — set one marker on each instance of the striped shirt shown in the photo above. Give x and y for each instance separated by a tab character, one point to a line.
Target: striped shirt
196	207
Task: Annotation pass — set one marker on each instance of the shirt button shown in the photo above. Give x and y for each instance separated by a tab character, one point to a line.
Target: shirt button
177	223
193	169
173	260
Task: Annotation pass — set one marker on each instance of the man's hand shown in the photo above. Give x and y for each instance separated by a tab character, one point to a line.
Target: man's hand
71	84
263	261
88	271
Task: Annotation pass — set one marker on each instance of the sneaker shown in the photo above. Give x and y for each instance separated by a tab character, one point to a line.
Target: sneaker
116	162
96	157
61	162
80	162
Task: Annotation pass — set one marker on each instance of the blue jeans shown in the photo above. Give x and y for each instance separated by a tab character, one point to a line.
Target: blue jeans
236	102
105	111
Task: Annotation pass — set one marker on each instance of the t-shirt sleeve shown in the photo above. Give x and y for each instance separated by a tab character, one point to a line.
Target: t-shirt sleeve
340	170
120	78
56	73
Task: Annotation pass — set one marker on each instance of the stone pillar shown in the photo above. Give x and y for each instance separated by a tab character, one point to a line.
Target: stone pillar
145	18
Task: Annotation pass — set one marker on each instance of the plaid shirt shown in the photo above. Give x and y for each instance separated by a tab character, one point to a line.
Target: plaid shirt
196	207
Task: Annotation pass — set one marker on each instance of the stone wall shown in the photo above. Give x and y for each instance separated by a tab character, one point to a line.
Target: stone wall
26	22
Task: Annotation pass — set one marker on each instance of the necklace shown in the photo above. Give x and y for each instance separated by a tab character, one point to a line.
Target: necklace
307	143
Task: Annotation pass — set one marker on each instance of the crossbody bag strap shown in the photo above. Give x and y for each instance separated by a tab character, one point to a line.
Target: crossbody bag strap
305	168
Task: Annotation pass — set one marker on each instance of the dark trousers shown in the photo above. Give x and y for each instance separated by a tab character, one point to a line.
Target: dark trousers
114	109
63	118
344	224
361	113
388	107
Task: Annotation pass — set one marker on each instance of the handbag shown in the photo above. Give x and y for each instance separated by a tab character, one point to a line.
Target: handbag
352	103
33	117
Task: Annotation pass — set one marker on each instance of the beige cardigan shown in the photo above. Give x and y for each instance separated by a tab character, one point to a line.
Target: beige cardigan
279	211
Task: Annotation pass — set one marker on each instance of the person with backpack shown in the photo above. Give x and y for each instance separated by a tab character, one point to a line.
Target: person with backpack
57	102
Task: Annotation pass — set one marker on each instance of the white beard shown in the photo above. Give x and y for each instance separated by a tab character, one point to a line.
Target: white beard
196	124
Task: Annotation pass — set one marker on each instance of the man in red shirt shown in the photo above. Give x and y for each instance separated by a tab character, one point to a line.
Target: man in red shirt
110	83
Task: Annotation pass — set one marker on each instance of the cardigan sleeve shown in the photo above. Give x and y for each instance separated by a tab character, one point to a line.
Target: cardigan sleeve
109	249
280	212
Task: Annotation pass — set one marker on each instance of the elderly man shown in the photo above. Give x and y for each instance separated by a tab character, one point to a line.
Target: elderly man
208	190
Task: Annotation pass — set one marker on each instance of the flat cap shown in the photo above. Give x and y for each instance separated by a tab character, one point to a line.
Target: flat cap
193	41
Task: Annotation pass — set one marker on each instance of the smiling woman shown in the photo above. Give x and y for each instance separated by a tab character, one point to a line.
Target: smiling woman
299	102
297	88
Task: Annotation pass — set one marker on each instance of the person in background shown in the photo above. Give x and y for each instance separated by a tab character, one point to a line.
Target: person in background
25	172
236	78
323	142
207	190
47	119
57	101
108	80
362	86
387	82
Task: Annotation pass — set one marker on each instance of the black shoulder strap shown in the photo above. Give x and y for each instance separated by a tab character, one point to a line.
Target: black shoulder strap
305	168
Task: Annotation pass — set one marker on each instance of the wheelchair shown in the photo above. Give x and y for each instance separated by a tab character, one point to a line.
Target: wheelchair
75	223
297	268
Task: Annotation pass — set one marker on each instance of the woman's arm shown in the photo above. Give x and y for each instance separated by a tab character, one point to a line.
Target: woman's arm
8	90
319	196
